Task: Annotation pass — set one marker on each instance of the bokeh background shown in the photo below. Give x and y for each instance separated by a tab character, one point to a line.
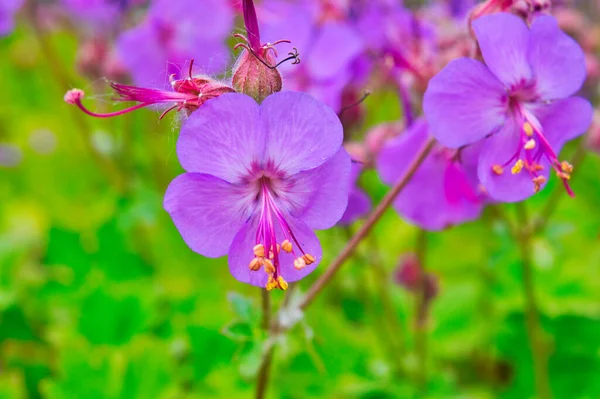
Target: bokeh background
101	298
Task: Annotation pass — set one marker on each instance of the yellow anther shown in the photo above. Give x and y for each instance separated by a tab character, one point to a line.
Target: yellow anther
287	246
538	181
566	167
299	263
308	259
563	175
269	268
528	129
259	250
271	283
255	264
530	144
518	167
282	283
497	169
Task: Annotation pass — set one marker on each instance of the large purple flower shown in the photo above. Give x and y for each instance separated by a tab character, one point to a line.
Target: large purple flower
174	33
328	47
259	179
442	192
8	8
521	99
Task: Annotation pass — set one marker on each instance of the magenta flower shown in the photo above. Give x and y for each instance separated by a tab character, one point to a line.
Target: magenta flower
173	33
8	8
519	102
259	179
442	192
359	203
328	47
187	94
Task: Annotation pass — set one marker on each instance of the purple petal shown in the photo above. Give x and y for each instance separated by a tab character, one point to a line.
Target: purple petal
564	120
7	10
301	133
398	154
503	40
334	49
464	103
359	204
318	197
497	150
424	200
222	138
207	211
241	254
557	61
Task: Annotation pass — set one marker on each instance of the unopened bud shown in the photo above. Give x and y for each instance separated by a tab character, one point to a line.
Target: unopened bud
255	75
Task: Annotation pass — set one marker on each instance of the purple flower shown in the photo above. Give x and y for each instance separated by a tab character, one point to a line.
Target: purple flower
328	48
521	99
8	8
187	94
359	202
99	15
259	179
441	193
174	33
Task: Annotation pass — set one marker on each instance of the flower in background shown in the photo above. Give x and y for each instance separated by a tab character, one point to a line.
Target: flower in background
8	8
187	94
442	192
259	179
519	103
359	203
173	33
96	16
328	45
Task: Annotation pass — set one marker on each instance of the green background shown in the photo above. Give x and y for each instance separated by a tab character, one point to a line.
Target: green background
101	298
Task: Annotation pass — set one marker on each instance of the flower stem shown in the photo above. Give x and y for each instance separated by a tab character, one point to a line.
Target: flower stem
532	319
262	382
420	322
373	218
266	308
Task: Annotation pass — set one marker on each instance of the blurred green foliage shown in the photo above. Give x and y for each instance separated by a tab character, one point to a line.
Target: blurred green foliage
100	297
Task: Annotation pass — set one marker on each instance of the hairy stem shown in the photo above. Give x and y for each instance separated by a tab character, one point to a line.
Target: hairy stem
373	218
532	319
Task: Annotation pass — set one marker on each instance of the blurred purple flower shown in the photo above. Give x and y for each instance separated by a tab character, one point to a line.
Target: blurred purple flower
328	46
259	179
442	192
521	99
173	33
97	15
359	203
8	8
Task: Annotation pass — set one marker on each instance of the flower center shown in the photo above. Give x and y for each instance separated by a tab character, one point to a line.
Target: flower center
533	147
266	252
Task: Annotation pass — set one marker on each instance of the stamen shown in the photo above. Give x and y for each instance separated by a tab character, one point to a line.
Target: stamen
286	245
259	250
299	263
255	264
309	259
74	97
497	169
282	283
530	144
528	129
518	167
538	181
269	268
566	167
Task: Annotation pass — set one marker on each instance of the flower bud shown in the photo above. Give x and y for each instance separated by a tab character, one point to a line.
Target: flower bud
253	74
